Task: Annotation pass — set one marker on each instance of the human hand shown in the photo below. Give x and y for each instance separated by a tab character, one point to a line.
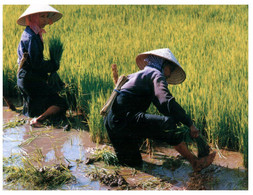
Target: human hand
35	122
194	131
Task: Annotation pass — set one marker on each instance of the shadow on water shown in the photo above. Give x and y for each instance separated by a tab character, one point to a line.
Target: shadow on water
72	149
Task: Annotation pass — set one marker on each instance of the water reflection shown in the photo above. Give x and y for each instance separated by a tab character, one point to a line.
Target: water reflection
73	148
51	146
12	138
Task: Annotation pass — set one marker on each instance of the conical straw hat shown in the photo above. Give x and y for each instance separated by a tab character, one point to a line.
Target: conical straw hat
176	77
38	8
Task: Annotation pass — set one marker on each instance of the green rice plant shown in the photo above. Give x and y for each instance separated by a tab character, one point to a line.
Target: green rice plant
202	144
106	155
96	122
55	49
204	38
69	92
55	52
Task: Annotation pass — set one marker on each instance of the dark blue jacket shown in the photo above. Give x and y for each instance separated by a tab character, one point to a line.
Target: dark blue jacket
149	86
32	77
31	43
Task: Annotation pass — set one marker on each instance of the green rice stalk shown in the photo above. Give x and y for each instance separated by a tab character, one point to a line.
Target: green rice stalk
55	49
105	155
70	92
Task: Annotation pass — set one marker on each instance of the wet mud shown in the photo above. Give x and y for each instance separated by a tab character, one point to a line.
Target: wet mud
164	169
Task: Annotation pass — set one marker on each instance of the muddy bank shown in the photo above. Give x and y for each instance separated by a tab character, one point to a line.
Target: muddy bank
163	170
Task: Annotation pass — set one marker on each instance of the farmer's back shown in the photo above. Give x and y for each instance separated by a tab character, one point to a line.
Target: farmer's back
141	89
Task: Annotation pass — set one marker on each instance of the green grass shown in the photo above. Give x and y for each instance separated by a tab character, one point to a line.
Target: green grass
209	41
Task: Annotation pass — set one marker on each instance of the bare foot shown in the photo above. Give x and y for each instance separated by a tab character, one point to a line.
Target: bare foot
203	162
35	123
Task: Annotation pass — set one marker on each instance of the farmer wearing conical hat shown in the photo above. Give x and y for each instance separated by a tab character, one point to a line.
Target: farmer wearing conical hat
40	100
127	122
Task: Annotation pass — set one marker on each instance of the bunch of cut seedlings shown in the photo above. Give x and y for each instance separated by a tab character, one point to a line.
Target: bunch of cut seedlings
105	155
55	49
202	145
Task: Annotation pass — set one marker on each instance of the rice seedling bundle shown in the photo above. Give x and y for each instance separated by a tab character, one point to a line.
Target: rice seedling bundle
55	52
55	49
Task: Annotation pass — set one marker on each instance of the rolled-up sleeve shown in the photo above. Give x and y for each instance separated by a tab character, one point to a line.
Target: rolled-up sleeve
166	103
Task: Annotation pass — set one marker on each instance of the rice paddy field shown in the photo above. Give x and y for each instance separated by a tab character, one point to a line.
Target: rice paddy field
209	41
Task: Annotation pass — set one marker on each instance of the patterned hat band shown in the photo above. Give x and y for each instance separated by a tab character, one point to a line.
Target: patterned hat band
155	61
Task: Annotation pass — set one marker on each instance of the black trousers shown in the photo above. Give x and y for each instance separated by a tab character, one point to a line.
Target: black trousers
37	94
126	131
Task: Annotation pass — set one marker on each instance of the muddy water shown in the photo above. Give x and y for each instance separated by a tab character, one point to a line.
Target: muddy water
54	146
50	146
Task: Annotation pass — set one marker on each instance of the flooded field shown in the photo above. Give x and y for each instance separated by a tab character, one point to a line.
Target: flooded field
163	170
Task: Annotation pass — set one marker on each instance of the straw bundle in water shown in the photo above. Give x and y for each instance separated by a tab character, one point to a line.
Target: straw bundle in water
108	105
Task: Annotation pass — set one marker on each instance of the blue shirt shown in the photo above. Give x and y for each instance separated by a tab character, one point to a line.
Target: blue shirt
31	43
150	86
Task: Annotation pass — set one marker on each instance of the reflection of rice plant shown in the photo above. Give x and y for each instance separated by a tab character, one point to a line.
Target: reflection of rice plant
32	178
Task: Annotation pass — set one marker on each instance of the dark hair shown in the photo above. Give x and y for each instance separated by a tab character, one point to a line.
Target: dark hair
170	64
